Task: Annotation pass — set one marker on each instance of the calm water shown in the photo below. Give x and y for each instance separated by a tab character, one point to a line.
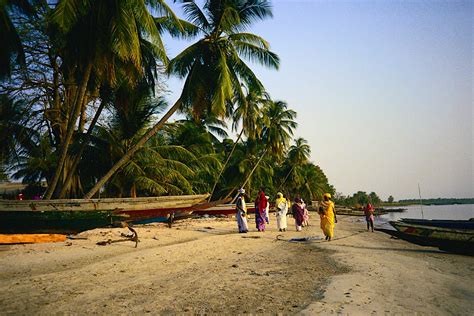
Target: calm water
465	211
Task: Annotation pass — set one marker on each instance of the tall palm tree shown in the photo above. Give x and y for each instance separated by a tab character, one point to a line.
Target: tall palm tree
101	40
298	155
212	67
246	113
279	123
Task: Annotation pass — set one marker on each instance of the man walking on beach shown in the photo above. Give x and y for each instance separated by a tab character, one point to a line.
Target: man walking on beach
369	216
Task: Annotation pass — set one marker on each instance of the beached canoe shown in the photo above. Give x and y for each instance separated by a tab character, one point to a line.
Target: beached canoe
456	224
355	212
223	209
446	238
76	215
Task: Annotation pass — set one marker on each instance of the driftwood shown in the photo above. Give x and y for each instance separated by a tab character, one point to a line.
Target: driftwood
132	237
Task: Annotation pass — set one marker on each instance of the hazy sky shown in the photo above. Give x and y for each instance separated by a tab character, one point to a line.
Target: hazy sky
383	91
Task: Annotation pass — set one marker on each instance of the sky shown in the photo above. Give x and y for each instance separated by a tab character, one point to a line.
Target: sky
383	91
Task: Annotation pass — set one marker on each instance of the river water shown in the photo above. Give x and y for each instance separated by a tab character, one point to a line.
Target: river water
462	212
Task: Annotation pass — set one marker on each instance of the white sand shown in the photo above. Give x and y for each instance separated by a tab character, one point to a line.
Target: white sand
194	269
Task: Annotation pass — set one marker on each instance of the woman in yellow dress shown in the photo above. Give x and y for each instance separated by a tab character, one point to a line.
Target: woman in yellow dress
328	216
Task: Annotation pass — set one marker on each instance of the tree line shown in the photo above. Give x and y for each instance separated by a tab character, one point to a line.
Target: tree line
358	199
82	107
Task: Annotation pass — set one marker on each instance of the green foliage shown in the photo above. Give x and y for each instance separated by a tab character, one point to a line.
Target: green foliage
359	199
212	67
71	70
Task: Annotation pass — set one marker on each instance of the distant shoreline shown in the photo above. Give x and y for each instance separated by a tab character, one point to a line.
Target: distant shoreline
439	201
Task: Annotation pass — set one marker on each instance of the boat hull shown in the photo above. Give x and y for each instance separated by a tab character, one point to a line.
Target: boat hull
455	224
223	209
445	238
74	216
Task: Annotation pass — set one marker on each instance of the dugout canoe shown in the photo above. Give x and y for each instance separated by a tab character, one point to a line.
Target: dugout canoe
76	215
455	224
223	209
446	238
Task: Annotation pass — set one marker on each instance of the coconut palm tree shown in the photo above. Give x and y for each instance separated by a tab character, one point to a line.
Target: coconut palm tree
314	184
246	113
278	125
11	42
100	41
298	155
212	67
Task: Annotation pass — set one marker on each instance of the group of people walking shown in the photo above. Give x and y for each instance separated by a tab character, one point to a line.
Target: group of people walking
282	207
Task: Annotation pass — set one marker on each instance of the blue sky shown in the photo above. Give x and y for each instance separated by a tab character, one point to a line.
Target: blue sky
383	91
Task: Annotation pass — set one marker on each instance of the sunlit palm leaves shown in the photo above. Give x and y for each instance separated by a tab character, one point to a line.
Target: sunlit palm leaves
279	123
212	67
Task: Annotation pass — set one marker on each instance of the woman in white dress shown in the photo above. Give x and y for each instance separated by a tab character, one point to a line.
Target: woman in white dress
281	205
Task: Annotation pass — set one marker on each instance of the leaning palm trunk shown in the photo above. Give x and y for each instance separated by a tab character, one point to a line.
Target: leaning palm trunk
286	178
78	157
225	164
251	172
67	140
129	154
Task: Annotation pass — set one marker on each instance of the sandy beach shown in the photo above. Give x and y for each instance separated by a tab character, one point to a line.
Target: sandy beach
205	267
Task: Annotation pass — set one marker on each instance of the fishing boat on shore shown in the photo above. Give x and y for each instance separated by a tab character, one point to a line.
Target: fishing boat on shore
355	212
446	223
76	215
444	234
222	209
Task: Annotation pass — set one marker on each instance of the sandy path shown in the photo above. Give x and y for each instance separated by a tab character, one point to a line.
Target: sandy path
391	276
195	269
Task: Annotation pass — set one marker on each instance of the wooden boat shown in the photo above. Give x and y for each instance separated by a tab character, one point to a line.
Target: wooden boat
446	238
355	212
455	224
76	215
223	209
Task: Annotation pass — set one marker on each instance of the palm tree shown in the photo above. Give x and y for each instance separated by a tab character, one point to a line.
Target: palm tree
298	155
314	184
100	40
247	113
14	131
35	162
11	41
278	129
212	67
158	168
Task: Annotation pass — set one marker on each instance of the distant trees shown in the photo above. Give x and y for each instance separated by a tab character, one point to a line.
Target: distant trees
359	199
390	199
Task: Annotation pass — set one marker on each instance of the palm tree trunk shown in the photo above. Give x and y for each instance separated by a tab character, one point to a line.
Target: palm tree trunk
225	164
77	159
251	172
70	131
286	177
129	154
